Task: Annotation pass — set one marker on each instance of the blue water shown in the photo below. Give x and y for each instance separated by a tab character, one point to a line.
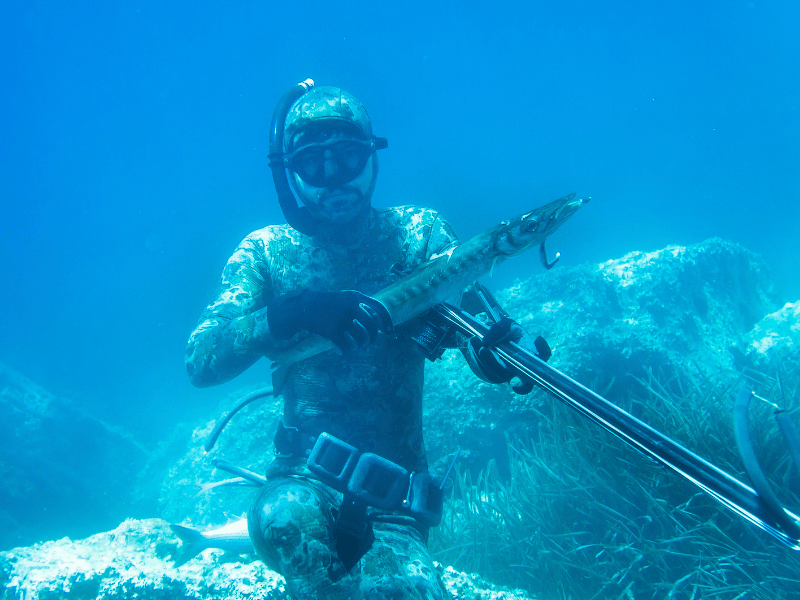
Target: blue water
134	144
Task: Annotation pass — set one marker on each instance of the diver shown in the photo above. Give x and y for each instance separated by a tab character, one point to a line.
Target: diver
348	500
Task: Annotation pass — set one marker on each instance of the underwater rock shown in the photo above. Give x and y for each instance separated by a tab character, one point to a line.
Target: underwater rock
135	561
775	340
678	308
64	472
132	561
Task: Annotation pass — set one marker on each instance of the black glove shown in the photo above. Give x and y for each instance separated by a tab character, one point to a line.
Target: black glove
492	368
349	319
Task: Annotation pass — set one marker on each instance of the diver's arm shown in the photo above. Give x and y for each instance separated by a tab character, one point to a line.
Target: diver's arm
233	332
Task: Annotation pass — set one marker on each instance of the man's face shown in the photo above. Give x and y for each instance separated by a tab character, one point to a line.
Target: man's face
333	174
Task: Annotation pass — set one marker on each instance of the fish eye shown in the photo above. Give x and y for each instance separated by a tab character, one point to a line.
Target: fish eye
532	225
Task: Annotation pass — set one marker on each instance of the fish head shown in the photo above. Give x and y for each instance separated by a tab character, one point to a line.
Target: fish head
534	227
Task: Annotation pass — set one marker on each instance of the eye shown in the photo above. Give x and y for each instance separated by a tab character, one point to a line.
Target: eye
351	154
531	225
351	157
309	161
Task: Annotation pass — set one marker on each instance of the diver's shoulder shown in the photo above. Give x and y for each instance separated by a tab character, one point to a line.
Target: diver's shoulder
272	233
408	213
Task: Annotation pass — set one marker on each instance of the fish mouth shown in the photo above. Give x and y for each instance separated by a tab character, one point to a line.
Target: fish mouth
546	218
565	208
570	208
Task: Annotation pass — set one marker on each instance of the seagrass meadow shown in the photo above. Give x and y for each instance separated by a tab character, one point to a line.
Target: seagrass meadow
581	516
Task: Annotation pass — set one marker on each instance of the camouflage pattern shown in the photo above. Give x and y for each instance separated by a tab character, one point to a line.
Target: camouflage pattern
370	398
325	103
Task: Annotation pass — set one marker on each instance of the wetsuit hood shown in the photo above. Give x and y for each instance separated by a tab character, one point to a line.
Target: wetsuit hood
305	118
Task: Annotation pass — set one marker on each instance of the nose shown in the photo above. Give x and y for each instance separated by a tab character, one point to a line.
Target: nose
331	167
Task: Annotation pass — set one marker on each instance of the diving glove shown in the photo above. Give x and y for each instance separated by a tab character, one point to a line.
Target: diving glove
492	368
349	319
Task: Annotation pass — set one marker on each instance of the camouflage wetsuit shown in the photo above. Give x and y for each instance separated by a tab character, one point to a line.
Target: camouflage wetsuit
370	398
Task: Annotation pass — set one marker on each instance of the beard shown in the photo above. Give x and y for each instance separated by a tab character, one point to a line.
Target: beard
339	209
340	205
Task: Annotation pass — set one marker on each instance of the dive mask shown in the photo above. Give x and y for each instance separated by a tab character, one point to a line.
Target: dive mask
334	162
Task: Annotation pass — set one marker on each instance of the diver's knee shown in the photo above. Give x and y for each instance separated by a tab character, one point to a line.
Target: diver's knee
260	518
282	515
407	588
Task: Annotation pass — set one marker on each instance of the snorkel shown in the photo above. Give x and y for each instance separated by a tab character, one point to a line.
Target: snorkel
298	217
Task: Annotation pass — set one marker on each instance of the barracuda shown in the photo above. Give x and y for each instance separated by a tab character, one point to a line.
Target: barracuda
446	275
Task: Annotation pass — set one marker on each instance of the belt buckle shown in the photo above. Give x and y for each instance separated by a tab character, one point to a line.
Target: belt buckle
425	499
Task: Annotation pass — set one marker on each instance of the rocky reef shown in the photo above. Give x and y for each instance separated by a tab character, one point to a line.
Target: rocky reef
134	562
775	339
665	334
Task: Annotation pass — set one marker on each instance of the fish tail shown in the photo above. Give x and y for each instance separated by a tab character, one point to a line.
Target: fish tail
193	543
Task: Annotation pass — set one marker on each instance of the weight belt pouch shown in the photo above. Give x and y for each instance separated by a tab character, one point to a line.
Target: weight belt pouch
375	480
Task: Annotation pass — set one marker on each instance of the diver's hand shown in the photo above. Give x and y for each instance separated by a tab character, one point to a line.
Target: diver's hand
349	319
494	369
